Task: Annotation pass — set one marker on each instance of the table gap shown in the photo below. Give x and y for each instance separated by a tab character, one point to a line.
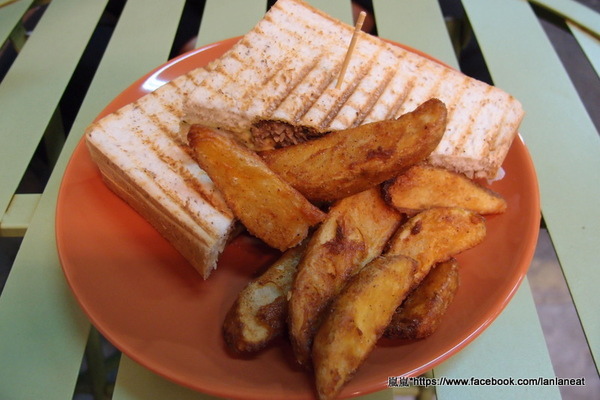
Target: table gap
38	172
8	54
8	50
367	6
98	370
9	247
188	27
470	58
270	3
580	70
83	74
40	167
560	322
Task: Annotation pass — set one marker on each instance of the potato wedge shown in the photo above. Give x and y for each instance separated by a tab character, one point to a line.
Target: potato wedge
345	162
267	206
354	233
259	313
421	312
357	319
424	186
436	235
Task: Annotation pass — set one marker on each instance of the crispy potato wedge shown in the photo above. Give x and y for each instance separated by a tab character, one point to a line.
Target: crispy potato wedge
267	206
354	233
421	312
436	235
345	162
424	186
357	319
259	313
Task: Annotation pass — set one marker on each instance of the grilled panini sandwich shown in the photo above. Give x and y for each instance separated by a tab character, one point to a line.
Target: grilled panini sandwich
143	159
277	86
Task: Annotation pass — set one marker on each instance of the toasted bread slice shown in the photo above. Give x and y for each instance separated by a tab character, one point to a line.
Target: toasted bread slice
286	67
145	161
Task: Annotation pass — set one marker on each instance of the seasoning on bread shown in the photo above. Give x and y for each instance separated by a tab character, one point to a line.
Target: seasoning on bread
285	71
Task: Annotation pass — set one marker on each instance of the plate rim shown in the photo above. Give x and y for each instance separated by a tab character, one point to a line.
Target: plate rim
369	388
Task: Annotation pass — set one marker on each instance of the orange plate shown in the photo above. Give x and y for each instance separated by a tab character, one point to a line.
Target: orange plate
150	303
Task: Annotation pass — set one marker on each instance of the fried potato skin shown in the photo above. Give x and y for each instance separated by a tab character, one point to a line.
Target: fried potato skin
357	319
354	233
424	186
267	206
421	312
436	235
259	313
345	162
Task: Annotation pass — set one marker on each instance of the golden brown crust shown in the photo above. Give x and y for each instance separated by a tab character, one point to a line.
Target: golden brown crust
290	63
357	319
424	186
435	235
268	207
423	309
345	162
354	232
260	311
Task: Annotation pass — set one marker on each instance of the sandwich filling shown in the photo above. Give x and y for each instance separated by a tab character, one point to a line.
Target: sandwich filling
286	69
272	134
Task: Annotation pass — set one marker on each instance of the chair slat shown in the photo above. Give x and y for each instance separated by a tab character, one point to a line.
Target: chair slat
561	137
512	346
241	16
340	9
19	213
575	12
429	35
32	88
138	383
589	44
43	330
10	16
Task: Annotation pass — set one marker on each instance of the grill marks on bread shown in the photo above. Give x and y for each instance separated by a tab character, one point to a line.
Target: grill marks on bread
286	69
142	155
183	182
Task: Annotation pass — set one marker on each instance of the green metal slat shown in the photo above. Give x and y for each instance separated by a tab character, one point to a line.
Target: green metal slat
561	137
340	9
240	17
430	35
43	330
589	44
396	21
138	383
512	347
574	12
19	213
10	16
32	88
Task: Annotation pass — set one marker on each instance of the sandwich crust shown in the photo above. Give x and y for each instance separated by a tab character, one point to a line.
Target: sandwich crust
285	69
143	159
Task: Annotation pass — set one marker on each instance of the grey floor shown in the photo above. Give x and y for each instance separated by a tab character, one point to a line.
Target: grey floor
564	336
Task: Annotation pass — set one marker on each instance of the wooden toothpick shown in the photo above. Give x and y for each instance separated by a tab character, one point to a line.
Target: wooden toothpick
357	28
